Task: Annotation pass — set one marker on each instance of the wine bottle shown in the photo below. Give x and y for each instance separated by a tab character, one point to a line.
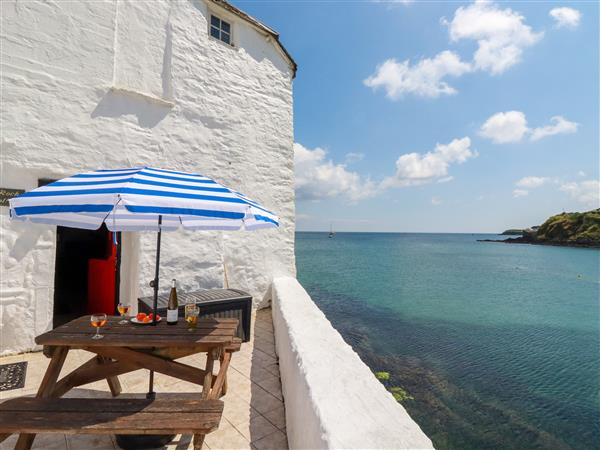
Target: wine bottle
173	306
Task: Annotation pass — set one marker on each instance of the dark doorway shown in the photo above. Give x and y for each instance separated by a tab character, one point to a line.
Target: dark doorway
85	273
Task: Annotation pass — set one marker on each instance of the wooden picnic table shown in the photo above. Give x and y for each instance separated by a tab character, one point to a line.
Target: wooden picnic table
128	347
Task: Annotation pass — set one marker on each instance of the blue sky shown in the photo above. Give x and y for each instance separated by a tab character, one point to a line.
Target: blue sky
441	116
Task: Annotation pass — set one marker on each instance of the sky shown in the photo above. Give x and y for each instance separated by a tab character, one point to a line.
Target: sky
447	116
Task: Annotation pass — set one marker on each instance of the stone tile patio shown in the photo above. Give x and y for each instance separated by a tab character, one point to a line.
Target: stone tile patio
254	414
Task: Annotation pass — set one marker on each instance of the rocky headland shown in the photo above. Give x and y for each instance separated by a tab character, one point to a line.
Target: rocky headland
576	229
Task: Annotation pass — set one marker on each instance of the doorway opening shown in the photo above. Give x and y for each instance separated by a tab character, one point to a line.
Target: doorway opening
86	273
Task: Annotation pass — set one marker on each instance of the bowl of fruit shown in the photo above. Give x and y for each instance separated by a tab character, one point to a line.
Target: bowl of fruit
144	319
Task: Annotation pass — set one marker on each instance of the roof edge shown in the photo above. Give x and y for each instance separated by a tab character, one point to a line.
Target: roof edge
261	26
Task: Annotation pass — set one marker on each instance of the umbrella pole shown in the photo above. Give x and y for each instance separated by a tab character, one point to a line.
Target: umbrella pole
151	394
156	268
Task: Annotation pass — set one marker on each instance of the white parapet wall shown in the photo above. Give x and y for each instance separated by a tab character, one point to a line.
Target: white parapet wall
332	399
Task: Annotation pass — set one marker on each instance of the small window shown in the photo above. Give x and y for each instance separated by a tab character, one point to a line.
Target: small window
219	29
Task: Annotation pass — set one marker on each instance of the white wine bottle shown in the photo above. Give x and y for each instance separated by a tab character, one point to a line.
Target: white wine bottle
172	306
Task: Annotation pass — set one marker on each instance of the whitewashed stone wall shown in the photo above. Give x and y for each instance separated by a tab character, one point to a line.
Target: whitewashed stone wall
332	400
88	85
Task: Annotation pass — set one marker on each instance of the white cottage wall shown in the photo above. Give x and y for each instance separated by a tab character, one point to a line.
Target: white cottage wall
88	85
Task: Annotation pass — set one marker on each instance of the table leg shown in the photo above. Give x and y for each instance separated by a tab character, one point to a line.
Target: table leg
24	442
45	390
90	372
113	382
224	388
148	361
208	373
198	441
217	388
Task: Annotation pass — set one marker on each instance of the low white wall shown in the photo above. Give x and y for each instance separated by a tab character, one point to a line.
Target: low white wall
332	399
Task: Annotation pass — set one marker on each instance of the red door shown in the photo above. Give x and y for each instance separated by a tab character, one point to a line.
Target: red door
101	281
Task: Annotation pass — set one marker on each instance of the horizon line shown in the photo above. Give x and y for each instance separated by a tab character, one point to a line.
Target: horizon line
405	232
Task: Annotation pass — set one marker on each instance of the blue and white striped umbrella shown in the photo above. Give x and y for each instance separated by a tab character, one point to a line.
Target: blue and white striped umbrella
133	199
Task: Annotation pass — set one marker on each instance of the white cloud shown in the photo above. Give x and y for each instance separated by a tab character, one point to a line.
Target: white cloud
532	182
505	127
317	177
416	168
501	34
435	201
353	157
565	17
559	125
581	173
586	192
511	126
520	193
424	79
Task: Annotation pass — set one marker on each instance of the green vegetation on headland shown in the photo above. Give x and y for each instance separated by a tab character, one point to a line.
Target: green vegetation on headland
581	228
568	229
512	232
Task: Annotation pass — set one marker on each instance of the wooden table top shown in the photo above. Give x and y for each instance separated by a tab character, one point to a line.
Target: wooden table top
210	332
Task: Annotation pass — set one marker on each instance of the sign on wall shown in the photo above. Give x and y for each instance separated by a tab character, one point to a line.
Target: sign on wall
8	193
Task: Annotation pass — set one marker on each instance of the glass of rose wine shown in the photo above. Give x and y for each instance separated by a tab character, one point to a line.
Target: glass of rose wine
123	310
98	321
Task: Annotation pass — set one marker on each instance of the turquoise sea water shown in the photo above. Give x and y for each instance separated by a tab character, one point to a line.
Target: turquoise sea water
498	344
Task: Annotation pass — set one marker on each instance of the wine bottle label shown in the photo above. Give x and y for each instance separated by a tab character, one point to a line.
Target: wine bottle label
172	315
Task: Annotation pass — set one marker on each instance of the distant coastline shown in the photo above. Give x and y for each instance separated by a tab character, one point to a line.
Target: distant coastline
512	232
526	240
564	230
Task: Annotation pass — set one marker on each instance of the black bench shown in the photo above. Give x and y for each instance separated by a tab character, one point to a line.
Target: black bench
221	303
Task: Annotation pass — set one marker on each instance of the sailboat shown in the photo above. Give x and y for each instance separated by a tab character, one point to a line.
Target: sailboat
331	233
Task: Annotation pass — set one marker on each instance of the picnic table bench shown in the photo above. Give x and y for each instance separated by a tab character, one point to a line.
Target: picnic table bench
123	349
177	414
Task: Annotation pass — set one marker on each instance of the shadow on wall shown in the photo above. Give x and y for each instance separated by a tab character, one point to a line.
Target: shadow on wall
166	75
255	46
29	235
252	43
119	103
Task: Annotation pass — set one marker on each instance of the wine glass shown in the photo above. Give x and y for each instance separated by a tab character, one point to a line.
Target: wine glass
123	310
191	315
98	321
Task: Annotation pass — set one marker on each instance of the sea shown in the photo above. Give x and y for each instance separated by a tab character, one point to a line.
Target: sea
497	345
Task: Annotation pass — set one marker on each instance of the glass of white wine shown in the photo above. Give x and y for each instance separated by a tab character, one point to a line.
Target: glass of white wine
191	315
123	310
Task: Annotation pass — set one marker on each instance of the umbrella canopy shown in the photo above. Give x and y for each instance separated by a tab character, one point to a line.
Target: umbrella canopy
133	199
